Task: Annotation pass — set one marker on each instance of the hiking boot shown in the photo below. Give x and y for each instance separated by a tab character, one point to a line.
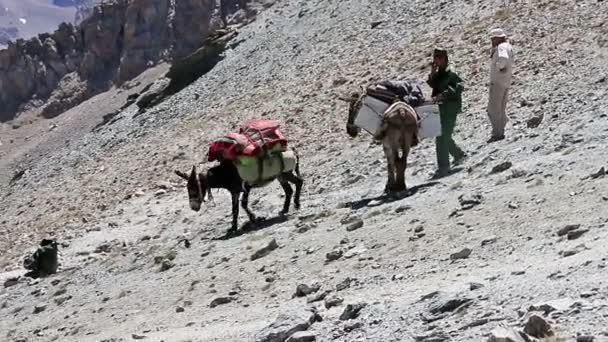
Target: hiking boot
496	138
441	173
460	159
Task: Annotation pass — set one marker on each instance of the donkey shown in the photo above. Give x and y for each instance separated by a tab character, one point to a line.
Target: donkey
226	176
398	135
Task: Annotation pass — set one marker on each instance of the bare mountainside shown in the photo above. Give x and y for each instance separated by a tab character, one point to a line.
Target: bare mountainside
517	236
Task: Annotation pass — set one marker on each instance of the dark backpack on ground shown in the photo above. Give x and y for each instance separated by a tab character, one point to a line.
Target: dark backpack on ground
43	261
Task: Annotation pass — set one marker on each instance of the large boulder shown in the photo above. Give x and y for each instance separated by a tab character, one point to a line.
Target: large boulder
289	322
502	334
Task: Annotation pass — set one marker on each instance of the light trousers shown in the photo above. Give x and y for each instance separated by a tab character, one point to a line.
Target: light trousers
497	109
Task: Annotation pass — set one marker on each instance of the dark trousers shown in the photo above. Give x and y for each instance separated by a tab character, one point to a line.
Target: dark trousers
445	145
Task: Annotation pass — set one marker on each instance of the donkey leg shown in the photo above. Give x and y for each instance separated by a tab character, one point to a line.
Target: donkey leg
288	194
245	204
401	166
390	164
235	210
298	182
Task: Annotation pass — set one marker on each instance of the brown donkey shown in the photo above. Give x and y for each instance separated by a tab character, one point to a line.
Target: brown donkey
398	134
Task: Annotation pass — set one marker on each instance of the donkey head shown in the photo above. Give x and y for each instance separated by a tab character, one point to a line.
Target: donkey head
354	104
197	187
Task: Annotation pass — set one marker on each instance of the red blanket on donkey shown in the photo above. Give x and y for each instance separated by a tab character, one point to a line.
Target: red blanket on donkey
253	139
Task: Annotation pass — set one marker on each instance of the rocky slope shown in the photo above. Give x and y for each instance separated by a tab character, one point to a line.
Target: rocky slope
519	231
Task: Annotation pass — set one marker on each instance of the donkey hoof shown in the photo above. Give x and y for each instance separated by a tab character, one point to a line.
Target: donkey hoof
258	219
400	189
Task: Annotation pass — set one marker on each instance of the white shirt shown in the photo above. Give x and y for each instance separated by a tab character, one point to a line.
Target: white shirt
501	68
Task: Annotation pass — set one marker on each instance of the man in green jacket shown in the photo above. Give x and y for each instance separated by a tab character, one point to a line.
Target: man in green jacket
447	91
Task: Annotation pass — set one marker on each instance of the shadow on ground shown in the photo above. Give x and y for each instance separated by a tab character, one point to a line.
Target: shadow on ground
251	227
389	198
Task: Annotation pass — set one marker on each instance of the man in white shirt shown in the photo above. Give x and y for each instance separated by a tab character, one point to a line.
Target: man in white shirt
501	69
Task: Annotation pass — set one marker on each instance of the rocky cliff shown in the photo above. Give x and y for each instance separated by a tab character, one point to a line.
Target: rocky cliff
116	42
27	18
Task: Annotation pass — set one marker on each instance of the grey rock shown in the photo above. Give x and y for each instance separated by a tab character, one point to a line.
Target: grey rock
349	219
355	225
397	277
463	254
470	201
344	284
565	230
563	305
286	324
430	295
39	308
489	240
351	326
334	255
354	252
220	301
585	338
599	174
318	297
476	323
179	309
61	300
332	301
535	121
304	227
105	247
402	208
303	336
11	282
166	265
570	252
304	290
475	286
502	167
575	234
444	305
538	327
434	336
502	334
352	311
265	250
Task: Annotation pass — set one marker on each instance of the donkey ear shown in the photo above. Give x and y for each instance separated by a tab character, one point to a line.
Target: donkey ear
193	174
181	174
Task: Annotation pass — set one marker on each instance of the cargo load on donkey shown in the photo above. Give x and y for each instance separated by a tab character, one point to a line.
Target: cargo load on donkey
393	91
258	150
380	96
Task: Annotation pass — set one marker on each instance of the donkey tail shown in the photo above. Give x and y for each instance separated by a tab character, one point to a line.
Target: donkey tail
297	168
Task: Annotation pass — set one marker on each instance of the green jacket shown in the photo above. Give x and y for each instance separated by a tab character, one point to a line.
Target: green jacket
450	84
